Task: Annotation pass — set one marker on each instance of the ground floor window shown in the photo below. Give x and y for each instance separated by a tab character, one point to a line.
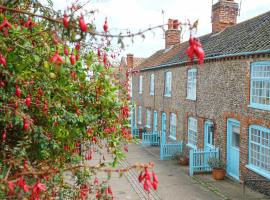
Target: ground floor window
192	132
259	149
173	126
139	115
148	118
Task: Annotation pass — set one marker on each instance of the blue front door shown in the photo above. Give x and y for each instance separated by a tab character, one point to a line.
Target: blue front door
163	127
155	121
233	141
208	135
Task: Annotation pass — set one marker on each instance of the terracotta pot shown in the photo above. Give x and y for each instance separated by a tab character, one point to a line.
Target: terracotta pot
218	173
183	161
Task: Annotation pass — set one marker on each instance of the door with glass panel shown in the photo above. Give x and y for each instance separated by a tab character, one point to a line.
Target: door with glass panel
208	135
155	121
233	141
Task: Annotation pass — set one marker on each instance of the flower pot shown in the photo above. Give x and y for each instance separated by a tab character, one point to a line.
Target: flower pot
218	173
183	161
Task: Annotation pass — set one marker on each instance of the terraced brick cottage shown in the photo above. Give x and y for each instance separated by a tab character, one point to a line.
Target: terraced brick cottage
225	102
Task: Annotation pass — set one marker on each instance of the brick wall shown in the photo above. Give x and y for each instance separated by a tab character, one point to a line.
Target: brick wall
222	92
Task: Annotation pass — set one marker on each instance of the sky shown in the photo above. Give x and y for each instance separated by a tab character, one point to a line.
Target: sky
135	15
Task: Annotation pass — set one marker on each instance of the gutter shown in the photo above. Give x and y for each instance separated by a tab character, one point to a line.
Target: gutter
210	58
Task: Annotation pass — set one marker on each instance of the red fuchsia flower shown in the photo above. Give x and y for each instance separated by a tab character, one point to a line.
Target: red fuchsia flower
11	187
109	191
72	59
66	52
105	59
4	135
77	57
195	48
57	58
84	190
37	103
21	183
25	164
3	60
96	181
105	26
94	140
5	25
26	125
65	20
88	155
90	132
99	54
82	24
18	91
126	148
28	101
146	177
125	111
45	108
37	189
78	47
29	23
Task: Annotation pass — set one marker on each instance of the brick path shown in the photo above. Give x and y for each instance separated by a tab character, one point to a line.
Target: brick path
175	183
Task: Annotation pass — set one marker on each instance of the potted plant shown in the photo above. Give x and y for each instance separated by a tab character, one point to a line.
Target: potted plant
218	166
183	156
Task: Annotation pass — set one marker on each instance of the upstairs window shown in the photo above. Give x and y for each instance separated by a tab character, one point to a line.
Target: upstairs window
173	126
260	85
140	84
148	118
152	84
191	84
168	84
139	115
192	132
259	150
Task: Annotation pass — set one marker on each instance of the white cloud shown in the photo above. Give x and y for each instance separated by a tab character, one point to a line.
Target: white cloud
140	14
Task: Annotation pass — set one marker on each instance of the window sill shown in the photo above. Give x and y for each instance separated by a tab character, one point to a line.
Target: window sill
190	98
147	126
191	146
172	137
259	107
167	95
258	171
151	94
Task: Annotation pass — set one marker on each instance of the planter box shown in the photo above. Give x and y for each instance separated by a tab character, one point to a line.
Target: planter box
218	174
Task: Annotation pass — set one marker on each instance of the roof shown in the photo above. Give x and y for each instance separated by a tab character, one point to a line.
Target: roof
137	61
252	35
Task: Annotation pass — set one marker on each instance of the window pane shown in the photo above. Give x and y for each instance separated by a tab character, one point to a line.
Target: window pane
191	84
260	148
173	125
260	83
192	131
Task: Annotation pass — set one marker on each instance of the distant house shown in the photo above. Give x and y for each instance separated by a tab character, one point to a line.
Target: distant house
223	103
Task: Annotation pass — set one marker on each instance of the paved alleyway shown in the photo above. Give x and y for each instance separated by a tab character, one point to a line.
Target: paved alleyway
175	183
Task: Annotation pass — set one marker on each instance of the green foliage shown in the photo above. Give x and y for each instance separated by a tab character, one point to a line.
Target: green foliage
67	109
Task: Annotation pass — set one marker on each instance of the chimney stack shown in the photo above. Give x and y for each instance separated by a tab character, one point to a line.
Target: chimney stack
129	60
172	35
224	14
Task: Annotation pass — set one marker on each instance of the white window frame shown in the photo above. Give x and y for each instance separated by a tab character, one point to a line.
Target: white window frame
139	115
259	150
192	132
173	124
148	118
168	84
152	84
191	84
140	84
260	85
